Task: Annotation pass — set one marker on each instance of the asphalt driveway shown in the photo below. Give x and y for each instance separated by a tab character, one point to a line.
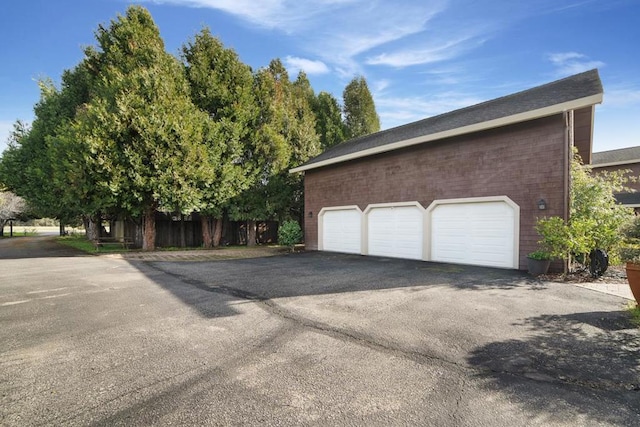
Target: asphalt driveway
305	339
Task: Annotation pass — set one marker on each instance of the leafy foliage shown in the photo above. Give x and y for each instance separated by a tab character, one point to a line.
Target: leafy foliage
289	233
329	125
132	129
222	86
540	254
595	217
141	128
630	248
360	115
284	137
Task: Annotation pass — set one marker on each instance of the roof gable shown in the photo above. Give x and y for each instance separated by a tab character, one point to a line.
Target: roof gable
573	92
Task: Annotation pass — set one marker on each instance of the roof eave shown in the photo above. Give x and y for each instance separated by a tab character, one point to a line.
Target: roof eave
477	127
618	163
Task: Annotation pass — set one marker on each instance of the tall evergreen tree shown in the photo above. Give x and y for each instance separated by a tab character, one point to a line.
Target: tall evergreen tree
222	86
360	116
30	164
284	137
329	125
144	133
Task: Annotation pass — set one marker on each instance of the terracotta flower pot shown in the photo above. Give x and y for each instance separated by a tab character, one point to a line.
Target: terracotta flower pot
633	276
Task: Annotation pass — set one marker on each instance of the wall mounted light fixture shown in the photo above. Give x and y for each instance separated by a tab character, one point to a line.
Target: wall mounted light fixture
542	205
310	214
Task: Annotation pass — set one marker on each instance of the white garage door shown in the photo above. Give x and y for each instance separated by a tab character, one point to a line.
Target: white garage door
341	231
396	232
474	233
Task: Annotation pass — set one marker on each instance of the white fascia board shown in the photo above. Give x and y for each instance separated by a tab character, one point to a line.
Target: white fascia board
476	127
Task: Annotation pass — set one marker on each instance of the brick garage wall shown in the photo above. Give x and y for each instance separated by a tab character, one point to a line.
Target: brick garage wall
522	161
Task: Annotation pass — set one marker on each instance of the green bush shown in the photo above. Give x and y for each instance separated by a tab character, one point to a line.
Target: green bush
555	237
595	217
630	248
540	255
289	233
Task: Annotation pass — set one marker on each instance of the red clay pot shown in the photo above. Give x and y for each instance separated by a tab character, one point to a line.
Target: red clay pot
633	276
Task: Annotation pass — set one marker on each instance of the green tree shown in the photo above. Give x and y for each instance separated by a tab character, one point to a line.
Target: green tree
284	135
29	164
142	131
360	116
595	217
79	185
329	125
289	233
222	86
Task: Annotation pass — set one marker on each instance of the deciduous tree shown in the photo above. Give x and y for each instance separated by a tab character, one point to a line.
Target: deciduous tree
10	207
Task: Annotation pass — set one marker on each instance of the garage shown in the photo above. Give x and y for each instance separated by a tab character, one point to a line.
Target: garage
476	232
340	229
395	231
489	166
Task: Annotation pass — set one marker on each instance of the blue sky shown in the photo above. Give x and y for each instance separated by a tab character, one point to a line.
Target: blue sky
420	58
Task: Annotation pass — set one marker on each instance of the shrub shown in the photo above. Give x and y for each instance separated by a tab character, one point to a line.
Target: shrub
555	237
540	254
630	247
289	233
595	216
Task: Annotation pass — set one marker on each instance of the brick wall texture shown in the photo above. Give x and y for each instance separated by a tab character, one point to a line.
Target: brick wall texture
523	161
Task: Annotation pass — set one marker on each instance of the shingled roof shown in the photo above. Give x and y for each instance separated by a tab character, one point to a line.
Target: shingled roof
573	92
616	157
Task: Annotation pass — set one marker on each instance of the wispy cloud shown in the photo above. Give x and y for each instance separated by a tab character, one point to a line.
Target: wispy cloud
447	49
333	31
622	97
309	66
395	111
568	63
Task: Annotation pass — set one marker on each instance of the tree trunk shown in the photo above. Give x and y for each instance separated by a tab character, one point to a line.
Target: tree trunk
91	228
217	232
251	233
62	233
149	228
207	239
183	238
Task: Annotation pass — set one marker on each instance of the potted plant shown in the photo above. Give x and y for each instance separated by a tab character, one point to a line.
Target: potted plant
538	262
630	254
554	243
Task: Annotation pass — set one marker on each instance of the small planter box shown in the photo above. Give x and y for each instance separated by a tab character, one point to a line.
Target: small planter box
538	266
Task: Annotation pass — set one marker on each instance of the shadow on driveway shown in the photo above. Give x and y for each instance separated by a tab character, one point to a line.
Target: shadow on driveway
315	273
599	351
318	273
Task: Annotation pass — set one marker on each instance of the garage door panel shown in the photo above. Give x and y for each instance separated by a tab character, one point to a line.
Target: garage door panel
341	231
479	233
395	232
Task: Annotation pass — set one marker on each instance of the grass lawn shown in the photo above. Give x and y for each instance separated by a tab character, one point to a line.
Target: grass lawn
81	242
